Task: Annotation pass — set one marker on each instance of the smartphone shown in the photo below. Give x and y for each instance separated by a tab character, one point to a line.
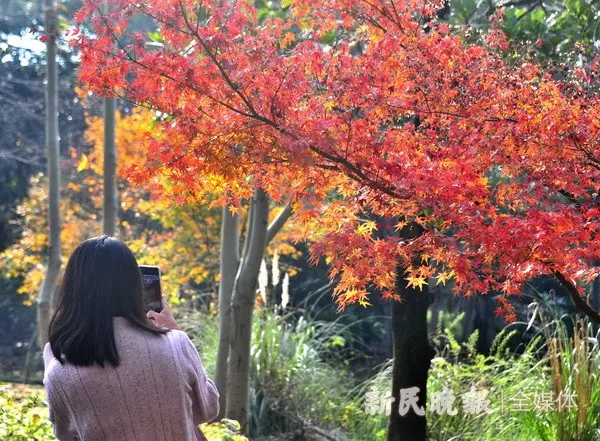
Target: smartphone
152	290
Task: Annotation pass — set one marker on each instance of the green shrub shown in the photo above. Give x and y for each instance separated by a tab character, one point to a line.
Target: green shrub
225	430
296	375
505	375
24	417
562	357
23	414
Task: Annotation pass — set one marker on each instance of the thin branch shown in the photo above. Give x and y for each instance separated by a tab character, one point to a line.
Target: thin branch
162	73
216	62
8	155
278	223
576	297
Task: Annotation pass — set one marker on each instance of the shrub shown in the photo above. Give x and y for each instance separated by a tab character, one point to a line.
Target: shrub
224	430
23	414
24	417
562	357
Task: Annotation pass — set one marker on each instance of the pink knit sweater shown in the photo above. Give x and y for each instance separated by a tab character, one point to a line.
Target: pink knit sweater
159	392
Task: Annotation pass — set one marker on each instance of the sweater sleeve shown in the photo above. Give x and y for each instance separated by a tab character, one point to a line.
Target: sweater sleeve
58	412
205	397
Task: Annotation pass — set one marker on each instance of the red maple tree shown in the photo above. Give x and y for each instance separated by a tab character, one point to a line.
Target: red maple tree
482	170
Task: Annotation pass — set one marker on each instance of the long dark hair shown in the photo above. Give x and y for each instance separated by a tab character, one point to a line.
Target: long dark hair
102	281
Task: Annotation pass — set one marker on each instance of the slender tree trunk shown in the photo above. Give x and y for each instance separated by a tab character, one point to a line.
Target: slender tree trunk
230	255
111	195
229	262
595	294
46	296
278	223
242	308
412	354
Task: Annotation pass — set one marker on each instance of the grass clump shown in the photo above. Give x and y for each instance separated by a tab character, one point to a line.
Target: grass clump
546	390
299	374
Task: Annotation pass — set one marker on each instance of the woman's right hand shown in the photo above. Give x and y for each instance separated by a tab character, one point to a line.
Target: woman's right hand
163	318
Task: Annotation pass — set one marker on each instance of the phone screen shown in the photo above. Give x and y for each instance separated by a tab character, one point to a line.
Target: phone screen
152	290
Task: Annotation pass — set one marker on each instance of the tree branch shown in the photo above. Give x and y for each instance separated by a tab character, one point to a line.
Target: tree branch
576	297
216	62
278	223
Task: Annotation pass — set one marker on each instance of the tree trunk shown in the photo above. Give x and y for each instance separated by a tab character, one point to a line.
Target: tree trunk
230	267
412	357
229	262
242	308
111	195
46	296
412	354
595	294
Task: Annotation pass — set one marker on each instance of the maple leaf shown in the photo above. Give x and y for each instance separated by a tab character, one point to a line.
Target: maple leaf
367	228
83	164
400	225
444	277
482	178
287	39
416	282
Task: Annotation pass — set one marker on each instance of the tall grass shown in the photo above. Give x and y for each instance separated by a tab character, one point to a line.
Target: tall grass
203	329
573	356
298	373
562	359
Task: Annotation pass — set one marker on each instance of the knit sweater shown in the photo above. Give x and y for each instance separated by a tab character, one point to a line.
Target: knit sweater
159	391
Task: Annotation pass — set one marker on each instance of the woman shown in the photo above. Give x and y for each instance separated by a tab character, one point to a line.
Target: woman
113	372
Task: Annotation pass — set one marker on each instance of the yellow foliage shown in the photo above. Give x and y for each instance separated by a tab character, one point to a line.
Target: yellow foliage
287	39
182	239
367	228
